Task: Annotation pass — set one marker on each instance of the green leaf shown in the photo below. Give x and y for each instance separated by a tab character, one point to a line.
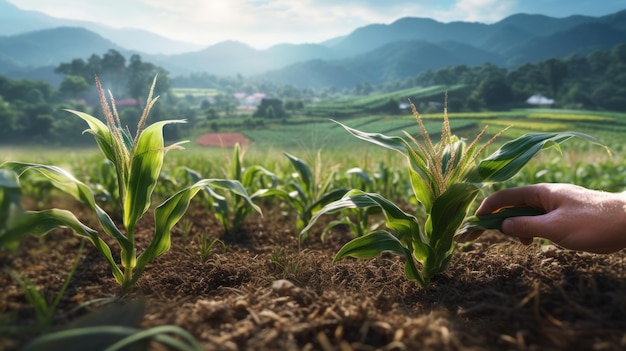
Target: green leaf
145	167
10	205
421	189
41	222
403	223
257	172
513	155
304	171
392	143
449	212
101	133
235	166
494	220
66	182
371	245
328	197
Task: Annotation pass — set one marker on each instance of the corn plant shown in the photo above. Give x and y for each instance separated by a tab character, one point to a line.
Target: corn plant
138	161
305	193
446	178
231	212
357	219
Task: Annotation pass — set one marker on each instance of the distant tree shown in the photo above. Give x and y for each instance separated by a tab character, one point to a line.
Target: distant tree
495	92
113	71
225	102
76	67
211	113
294	105
9	118
556	72
74	86
363	89
599	60
578	95
140	76
270	108
269	112
205	104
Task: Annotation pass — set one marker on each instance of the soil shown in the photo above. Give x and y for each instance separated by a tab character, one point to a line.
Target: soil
222	139
263	291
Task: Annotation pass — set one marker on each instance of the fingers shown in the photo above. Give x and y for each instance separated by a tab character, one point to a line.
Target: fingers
527	227
531	195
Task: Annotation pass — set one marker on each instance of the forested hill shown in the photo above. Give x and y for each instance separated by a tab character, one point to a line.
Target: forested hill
373	54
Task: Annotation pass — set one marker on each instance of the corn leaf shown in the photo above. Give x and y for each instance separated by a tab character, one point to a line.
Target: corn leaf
169	213
145	168
235	166
258	172
392	143
64	181
101	133
403	223
421	189
10	205
41	222
494	220
371	245
513	155
304	171
448	213
326	198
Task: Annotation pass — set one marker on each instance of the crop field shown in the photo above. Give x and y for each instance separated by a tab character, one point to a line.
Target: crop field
194	92
357	105
314	237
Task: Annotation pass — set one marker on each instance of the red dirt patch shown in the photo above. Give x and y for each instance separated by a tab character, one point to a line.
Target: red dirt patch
222	139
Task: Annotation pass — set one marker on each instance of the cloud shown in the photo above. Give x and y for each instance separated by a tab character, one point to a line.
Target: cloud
265	22
482	10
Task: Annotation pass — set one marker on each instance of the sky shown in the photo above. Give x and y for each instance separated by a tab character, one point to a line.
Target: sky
262	23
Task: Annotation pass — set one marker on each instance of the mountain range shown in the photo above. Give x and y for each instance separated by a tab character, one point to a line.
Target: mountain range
32	44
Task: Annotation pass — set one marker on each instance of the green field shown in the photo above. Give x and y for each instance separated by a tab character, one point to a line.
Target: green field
194	92
346	107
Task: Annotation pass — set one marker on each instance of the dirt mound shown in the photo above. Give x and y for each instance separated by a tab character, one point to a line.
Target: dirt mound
222	139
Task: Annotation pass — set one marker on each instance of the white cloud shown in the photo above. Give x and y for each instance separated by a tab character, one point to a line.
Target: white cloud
265	22
483	10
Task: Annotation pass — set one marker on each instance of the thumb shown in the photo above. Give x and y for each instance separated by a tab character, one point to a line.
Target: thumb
524	227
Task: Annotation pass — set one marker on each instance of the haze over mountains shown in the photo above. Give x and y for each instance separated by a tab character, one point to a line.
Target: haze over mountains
32	44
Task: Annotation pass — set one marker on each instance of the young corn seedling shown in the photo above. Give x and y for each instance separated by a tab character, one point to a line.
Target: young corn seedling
446	178
138	161
305	193
357	219
231	212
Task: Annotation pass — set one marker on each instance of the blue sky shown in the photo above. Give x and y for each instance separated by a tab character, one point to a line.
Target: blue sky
262	23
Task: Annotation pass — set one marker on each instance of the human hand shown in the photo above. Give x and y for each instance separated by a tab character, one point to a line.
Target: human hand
575	217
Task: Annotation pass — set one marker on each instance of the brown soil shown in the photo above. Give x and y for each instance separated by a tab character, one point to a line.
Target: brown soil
222	139
263	292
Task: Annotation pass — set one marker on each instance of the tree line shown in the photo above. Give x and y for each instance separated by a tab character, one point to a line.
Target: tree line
595	81
33	110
